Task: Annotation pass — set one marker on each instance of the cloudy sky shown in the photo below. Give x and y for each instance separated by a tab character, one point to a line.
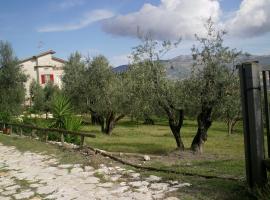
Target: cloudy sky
109	27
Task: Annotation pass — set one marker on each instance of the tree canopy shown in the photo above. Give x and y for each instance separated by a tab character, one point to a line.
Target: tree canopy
212	74
11	82
150	89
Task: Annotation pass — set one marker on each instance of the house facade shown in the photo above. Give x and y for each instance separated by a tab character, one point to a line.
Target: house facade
43	68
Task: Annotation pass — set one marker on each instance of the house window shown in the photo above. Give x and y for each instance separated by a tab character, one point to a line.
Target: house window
46	78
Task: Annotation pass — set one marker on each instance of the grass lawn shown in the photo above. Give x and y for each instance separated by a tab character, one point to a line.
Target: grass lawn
130	137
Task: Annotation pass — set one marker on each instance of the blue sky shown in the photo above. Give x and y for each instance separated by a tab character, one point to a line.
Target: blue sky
108	26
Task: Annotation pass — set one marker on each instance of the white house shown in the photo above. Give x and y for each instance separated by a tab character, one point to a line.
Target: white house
43	68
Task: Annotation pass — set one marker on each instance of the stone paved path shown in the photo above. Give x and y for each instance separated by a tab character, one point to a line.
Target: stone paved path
36	176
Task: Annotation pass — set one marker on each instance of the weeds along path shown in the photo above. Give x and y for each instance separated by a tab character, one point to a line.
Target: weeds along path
37	176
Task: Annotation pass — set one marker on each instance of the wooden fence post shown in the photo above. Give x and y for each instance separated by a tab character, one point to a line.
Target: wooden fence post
253	125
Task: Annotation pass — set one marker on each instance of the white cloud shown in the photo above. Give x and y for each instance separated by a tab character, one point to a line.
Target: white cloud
252	19
172	19
87	19
169	20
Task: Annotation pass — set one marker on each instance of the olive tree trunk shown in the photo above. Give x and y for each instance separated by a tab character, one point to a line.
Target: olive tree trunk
96	118
204	122
175	129
176	118
231	124
110	122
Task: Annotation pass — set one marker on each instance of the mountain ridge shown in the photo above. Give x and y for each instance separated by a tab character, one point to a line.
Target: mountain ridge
181	66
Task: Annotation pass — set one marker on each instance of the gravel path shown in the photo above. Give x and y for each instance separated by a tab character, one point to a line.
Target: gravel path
37	176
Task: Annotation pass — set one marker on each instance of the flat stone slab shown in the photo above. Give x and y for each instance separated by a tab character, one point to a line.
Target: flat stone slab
24	195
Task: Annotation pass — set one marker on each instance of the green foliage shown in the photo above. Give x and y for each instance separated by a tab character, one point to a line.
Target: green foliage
41	98
106	92
211	76
5	116
93	87
213	69
61	109
230	109
150	90
50	90
149	87
11	81
100	85
37	97
74	81
63	118
72	123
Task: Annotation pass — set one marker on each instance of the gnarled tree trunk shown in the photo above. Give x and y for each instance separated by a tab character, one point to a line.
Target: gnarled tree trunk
175	124
231	124
94	118
204	122
110	122
97	119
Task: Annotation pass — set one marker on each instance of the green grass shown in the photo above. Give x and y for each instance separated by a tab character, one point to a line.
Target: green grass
131	137
223	154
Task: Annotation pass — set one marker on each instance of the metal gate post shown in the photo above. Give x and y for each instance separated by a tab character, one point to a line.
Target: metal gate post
253	126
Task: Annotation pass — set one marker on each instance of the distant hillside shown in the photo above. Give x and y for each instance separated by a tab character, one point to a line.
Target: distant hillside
180	66
121	68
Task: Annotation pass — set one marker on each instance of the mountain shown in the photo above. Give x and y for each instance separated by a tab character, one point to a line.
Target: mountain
180	66
120	69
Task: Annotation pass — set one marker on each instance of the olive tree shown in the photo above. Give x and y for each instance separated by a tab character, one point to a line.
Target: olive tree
150	88
12	81
50	90
231	105
74	81
212	72
37	97
94	88
106	93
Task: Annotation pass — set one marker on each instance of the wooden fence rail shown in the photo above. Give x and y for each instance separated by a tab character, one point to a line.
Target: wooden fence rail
47	130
